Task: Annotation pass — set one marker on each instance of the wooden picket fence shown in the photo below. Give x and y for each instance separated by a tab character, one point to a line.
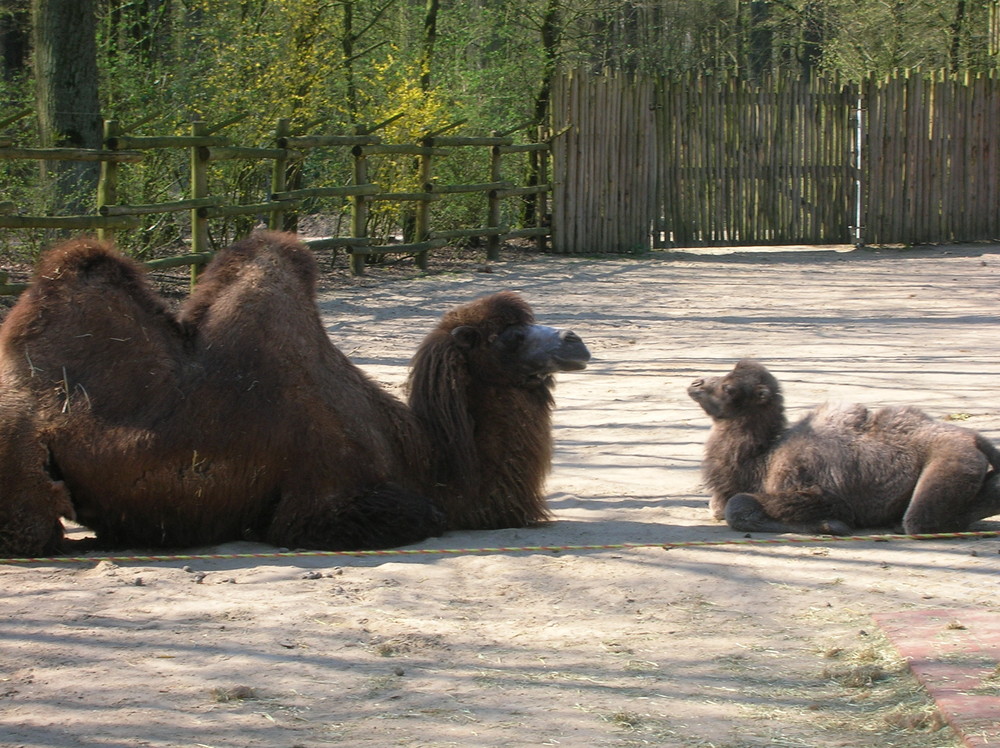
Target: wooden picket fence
640	163
206	146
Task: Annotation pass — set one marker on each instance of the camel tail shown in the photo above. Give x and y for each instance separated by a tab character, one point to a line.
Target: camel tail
990	450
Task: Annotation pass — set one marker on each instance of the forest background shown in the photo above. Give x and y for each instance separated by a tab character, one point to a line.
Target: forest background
412	66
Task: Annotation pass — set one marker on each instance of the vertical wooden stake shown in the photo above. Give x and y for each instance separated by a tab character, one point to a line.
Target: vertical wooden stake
541	200
199	188
359	208
493	204
421	226
276	219
107	183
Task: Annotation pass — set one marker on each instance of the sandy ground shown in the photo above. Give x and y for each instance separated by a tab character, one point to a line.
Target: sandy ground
707	643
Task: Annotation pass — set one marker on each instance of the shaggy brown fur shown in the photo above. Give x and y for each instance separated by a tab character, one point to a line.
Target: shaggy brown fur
840	467
235	419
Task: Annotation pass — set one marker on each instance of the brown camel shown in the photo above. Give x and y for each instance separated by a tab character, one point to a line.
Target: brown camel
840	467
238	419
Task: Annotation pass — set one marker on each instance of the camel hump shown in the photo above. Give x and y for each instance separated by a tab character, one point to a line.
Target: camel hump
269	250
87	299
87	260
266	263
77	283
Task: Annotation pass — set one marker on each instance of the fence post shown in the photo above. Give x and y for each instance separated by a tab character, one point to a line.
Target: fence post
276	221
493	202
421	226
199	188
542	198
359	205
107	182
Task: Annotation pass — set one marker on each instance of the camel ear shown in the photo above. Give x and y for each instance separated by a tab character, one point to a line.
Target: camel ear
465	336
763	393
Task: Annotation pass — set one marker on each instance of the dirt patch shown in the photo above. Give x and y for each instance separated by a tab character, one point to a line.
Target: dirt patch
711	641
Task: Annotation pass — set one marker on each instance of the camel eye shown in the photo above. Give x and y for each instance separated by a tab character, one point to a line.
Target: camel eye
728	389
512	337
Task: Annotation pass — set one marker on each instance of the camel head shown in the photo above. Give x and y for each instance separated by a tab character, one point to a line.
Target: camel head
748	391
499	339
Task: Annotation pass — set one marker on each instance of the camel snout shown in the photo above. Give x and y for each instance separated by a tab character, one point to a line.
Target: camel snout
573	353
697	389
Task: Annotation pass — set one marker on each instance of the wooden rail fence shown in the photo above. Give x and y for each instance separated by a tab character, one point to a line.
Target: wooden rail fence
206	146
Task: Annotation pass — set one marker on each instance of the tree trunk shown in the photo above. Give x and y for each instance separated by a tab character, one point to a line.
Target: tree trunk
347	40
955	49
813	37
631	46
551	37
761	38
993	41
550	49
430	37
64	37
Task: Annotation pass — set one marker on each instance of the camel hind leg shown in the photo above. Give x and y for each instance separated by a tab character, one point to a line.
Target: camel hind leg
746	513
951	494
384	516
987	501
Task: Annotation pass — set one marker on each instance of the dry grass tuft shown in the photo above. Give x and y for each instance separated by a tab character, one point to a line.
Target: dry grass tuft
926	719
629	720
407	644
235	693
855	676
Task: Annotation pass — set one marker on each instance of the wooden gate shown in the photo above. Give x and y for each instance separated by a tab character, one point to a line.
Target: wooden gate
931	165
604	164
741	164
695	162
639	164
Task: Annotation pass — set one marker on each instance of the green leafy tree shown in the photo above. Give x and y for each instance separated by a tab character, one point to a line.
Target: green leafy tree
329	66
